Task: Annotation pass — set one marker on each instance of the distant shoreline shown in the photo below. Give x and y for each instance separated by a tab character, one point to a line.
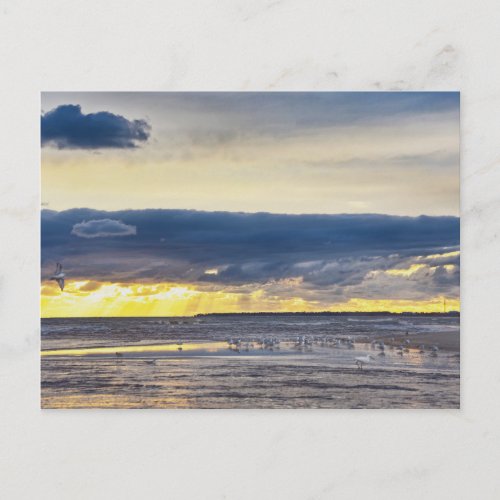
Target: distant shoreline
333	313
453	314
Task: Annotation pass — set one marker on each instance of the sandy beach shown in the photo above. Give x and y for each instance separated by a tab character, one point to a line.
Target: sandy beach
446	341
250	362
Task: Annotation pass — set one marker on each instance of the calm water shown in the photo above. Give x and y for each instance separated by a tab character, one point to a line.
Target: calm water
141	363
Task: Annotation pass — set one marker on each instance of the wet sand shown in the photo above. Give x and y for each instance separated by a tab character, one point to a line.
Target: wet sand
141	363
446	341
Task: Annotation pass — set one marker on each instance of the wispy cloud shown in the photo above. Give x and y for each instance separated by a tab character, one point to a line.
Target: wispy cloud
102	228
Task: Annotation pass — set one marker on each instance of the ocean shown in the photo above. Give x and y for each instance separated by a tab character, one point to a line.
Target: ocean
251	361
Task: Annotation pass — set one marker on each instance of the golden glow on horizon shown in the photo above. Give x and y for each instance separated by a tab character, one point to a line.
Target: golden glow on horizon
414	268
212	271
95	299
441	255
398	306
406	272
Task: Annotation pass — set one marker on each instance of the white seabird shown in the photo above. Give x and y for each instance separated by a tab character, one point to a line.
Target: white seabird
59	276
361	360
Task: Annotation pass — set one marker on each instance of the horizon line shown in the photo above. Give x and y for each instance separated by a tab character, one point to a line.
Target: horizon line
311	313
47	209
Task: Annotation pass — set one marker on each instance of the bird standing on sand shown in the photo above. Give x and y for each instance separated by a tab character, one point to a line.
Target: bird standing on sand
59	276
361	360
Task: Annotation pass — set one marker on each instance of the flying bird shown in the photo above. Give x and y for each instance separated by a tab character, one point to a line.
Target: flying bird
59	276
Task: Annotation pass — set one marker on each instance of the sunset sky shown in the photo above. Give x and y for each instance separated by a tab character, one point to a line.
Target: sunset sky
184	203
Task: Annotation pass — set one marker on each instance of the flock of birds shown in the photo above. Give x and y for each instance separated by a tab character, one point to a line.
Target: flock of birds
305	343
402	348
301	343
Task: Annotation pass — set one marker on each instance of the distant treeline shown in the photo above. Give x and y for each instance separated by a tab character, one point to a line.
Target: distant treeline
330	313
321	313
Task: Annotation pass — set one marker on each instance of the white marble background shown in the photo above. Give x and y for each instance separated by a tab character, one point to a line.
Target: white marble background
249	45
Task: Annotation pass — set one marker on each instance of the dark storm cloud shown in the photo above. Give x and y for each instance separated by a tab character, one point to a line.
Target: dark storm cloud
445	278
66	127
244	248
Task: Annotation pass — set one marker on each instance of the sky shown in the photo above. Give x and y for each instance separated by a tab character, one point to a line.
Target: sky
185	203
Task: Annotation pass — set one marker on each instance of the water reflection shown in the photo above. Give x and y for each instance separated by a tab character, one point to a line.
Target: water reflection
209	347
310	364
